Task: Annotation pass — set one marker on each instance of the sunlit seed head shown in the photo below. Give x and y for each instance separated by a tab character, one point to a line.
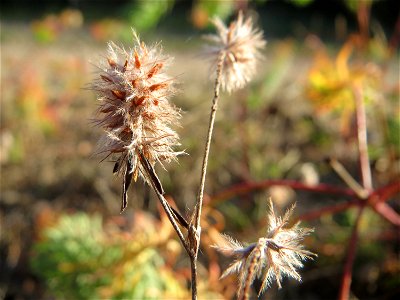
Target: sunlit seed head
278	254
240	45
134	111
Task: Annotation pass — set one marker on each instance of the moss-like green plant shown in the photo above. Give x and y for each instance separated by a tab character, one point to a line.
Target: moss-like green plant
80	259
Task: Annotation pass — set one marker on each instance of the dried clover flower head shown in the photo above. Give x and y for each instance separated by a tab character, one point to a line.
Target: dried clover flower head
280	253
134	111
239	45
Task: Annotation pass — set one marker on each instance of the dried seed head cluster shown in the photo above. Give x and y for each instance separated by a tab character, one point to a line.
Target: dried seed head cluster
280	253
134	111
239	45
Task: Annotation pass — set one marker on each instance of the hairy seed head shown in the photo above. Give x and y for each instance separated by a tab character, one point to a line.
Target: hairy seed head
278	254
240	45
133	91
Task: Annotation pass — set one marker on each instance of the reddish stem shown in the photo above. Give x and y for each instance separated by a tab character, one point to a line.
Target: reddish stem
387	191
380	207
380	196
395	39
376	200
362	139
387	212
333	209
246	187
344	292
363	16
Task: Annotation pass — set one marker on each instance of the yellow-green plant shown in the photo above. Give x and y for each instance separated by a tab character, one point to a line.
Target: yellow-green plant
79	258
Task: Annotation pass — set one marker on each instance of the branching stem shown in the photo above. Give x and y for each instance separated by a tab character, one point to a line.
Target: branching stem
344	292
167	208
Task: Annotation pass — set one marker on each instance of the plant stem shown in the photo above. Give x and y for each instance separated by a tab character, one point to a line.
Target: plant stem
247	187
388	213
208	142
330	210
193	266
194	227
167	208
344	292
366	175
382	194
171	218
348	179
362	138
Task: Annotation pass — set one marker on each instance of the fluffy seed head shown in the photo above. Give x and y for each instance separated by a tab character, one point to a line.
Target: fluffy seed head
133	90
278	254
240	45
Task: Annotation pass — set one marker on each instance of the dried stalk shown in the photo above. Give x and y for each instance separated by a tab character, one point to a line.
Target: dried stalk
194	226
361	192
173	216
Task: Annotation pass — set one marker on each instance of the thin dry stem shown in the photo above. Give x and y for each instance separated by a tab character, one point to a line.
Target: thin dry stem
194	226
167	208
208	142
348	179
193	266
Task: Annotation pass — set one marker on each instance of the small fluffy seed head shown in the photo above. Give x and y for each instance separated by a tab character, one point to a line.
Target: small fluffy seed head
133	91
239	45
278	254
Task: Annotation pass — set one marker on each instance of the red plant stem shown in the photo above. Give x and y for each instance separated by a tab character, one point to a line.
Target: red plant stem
376	199
333	209
395	39
380	196
387	191
381	208
344	292
387	212
376	202
247	187
362	139
363	16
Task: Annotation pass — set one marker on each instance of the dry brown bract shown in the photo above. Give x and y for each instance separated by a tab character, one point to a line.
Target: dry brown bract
240	45
280	253
134	111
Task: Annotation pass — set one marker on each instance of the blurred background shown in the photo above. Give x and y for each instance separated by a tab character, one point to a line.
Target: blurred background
61	232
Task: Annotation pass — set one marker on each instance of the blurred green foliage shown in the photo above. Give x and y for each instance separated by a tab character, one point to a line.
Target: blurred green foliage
354	5
144	15
78	259
300	2
394	132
